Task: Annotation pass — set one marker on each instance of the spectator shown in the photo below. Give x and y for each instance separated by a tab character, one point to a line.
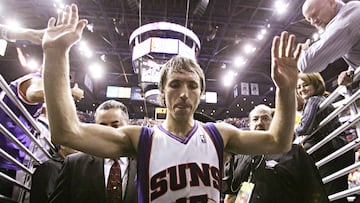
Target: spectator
290	177
311	87
340	24
29	90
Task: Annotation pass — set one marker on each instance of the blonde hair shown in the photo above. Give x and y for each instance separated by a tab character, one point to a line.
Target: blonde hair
180	64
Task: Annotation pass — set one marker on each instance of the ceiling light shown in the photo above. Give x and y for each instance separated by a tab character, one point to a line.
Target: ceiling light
239	61
96	70
281	7
33	64
103	58
249	48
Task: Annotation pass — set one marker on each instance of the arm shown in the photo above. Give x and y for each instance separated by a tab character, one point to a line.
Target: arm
335	42
279	137
32	35
65	126
307	123
33	91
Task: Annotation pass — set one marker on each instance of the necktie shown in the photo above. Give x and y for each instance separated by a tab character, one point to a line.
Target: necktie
114	185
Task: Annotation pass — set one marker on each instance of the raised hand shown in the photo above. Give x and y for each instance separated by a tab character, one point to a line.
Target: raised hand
67	30
284	70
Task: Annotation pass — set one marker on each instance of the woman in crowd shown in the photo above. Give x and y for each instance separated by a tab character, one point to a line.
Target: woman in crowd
311	88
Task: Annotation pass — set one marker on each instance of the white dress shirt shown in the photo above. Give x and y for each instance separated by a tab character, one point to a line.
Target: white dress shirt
124	165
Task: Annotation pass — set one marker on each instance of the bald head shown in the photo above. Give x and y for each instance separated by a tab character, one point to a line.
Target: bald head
260	117
319	12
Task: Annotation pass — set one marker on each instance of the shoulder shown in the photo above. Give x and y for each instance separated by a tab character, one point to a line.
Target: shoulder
316	99
79	156
225	129
350	12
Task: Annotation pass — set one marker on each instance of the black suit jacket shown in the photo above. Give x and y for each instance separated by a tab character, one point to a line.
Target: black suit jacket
82	180
43	180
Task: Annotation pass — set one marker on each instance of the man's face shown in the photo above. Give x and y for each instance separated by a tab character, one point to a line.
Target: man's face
182	94
260	120
319	12
111	117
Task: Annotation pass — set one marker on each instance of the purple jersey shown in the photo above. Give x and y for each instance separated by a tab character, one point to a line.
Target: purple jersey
6	144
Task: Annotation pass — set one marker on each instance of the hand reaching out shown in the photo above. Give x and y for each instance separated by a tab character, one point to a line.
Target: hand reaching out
284	70
345	77
67	30
77	93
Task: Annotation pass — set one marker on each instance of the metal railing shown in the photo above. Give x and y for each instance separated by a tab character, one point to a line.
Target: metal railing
27	168
349	103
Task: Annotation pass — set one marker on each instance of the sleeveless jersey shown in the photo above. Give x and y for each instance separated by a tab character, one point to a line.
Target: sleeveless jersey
180	170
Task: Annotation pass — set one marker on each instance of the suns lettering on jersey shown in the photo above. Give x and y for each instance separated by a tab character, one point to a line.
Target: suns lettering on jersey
175	178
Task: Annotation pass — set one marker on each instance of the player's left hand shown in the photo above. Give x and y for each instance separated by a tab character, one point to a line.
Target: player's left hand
284	70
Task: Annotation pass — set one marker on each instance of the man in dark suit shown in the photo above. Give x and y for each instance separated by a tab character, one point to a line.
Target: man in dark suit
84	177
43	180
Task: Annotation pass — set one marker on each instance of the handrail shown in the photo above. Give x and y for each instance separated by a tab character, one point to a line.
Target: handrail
15	182
345	193
11	137
341	151
14	161
340	173
336	132
336	93
6	199
8	111
333	114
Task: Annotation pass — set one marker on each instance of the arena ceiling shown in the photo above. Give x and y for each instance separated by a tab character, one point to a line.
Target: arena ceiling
224	28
